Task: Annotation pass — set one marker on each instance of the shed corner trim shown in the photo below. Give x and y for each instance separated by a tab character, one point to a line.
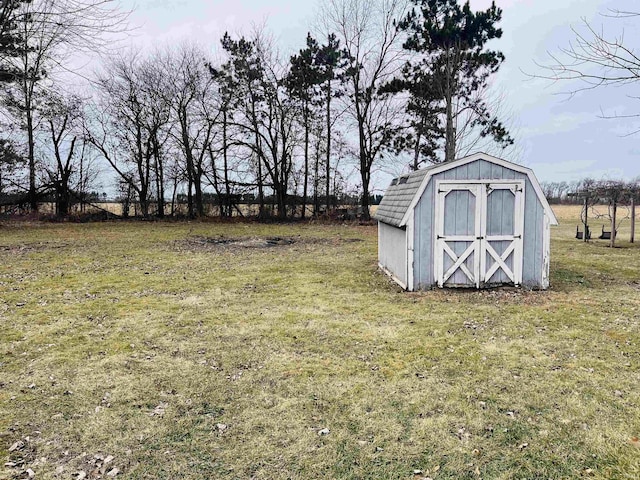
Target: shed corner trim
392	276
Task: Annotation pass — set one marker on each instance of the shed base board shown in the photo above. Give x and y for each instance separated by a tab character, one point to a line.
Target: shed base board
392	276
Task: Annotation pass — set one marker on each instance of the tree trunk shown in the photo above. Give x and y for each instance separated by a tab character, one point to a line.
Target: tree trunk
365	198
633	219
450	132
450	145
144	201
416	153
63	196
316	203
261	213
33	194
328	153
227	188
306	162
365	173
126	204
281	198
197	186
186	144
173	197
159	177
586	219
81	184
613	224
190	195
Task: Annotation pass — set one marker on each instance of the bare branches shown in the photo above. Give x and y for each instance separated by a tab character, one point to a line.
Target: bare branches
367	30
594	59
615	13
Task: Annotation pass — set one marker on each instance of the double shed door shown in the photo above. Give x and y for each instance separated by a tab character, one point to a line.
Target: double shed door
479	226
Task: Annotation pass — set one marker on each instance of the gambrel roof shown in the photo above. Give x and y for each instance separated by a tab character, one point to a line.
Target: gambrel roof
405	191
398	197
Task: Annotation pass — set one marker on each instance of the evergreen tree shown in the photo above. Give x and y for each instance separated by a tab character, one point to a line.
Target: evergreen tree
302	82
266	119
331	61
422	131
11	42
242	76
227	85
450	41
11	162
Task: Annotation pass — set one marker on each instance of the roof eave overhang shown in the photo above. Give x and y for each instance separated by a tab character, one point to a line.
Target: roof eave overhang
386	222
472	158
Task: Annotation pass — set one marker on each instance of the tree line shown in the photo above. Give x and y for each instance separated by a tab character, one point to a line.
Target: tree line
573	192
382	80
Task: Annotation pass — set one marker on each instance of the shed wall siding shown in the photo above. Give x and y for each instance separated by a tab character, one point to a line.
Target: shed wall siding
533	245
392	250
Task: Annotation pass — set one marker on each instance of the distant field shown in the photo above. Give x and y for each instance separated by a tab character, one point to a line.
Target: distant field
197	350
116	209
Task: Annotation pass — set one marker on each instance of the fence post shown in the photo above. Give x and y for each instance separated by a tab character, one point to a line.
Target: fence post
633	217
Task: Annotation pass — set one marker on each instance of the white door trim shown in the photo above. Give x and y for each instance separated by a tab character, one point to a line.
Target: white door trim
516	247
443	188
410	253
480	246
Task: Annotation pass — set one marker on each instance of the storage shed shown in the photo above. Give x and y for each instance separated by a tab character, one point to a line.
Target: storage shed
478	221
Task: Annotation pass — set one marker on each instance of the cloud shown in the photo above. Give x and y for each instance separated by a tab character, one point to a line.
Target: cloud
540	125
571	170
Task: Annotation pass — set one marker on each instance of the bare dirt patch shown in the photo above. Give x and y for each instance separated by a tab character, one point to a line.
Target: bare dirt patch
504	295
31	247
204	243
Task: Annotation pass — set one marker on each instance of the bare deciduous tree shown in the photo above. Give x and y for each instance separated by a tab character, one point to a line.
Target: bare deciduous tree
368	33
48	32
595	59
116	126
62	119
190	88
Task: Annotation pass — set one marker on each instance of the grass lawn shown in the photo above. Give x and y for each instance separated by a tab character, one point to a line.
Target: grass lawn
162	350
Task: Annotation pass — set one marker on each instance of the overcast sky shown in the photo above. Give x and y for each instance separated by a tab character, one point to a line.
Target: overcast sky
561	138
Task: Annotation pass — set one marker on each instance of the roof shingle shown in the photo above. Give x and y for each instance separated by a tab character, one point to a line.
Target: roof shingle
398	197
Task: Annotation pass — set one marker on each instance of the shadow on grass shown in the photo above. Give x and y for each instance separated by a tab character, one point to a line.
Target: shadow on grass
568	280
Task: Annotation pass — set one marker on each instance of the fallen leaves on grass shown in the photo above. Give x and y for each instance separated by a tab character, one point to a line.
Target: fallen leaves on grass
159	410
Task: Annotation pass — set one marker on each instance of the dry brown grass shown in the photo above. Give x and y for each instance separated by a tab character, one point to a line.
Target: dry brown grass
126	339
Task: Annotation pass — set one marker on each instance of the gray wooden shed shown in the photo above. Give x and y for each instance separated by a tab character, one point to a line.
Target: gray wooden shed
477	222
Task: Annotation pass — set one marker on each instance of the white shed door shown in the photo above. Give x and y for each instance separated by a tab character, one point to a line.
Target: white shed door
479	233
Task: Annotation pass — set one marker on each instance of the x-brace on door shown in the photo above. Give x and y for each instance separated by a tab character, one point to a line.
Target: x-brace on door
479	226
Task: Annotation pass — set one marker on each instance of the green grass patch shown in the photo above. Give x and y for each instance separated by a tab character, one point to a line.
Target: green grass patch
182	356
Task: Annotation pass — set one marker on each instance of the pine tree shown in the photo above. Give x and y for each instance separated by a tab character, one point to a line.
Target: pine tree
302	83
450	42
422	132
241	78
331	62
11	42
